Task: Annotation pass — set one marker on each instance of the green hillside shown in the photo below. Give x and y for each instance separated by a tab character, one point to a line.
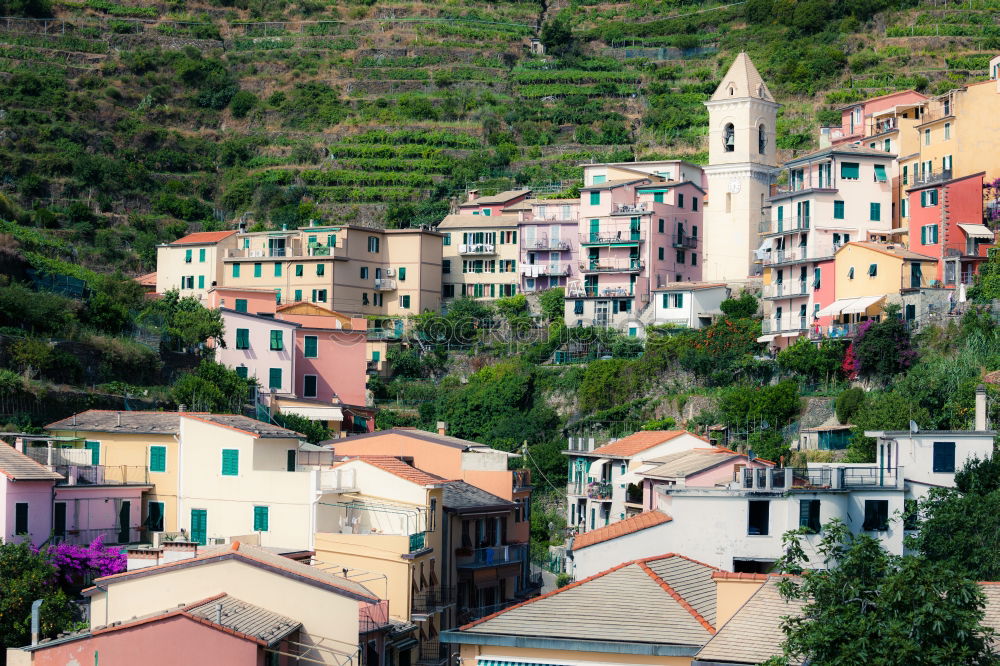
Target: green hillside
125	125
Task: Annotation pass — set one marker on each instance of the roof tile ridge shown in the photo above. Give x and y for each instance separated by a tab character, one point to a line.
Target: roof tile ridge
676	596
242	553
577	583
653	558
221	627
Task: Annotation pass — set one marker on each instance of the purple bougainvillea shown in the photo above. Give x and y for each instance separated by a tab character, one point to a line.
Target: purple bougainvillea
76	565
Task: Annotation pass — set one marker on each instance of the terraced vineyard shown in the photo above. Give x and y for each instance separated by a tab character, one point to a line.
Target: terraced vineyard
127	124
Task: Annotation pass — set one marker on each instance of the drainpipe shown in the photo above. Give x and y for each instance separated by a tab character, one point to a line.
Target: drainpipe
180	475
35	620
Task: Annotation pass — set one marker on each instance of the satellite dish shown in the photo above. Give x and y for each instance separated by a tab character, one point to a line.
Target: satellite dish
914	428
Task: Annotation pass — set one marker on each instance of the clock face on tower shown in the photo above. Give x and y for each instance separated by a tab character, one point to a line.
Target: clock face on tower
734	186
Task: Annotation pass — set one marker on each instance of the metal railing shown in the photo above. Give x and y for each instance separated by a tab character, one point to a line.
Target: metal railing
477	248
595	292
492	556
773	325
629	266
537	270
765	478
385	284
108	536
599	490
785	225
468	614
628	209
338	480
927	178
433	599
868	477
785	289
612	237
553	244
418	541
102	475
683	241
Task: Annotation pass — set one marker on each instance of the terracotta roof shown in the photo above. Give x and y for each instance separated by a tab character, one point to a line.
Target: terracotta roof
891	249
683	464
639	442
147	280
162	423
401	469
19	467
679	588
203	237
469	221
875	99
637	523
502	197
745	79
414	433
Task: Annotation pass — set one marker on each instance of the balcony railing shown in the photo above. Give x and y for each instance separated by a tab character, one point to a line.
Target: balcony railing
629	266
536	270
491	556
627	236
433	599
385	284
683	241
553	244
102	475
869	477
337	480
576	488
629	209
477	249
108	536
598	292
785	225
928	178
772	325
599	490
787	478
418	541
786	289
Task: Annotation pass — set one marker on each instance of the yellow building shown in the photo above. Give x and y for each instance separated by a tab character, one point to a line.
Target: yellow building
192	264
868	275
657	610
480	256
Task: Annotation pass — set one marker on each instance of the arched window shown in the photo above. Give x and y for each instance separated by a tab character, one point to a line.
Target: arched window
761	139
729	137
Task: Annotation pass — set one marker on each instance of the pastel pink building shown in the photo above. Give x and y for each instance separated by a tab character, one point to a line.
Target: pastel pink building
697	468
259	347
640	228
25	497
491	205
252	301
548	232
858	120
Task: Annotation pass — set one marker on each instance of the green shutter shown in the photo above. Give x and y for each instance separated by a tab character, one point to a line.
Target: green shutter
201	255
243	338
309	346
873	270
850	170
277	341
157	459
880	173
923	234
838	210
402	273
187	256
199	526
320	270
274	379
236	270
405	302
201	281
298	295
230	462
816	278
260	519
277	269
258	270
299	268
595	198
241	305
875	212
934	230
242	371
934	197
95	452
657	197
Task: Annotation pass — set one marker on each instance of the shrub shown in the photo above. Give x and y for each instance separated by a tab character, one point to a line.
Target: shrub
848	403
242	103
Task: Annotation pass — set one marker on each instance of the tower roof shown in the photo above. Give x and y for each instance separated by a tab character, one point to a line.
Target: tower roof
741	81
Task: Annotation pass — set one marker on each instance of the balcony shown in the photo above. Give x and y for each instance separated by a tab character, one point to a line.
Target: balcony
576	488
103	475
787	478
433	599
785	324
629	209
108	536
418	541
627	266
870	477
786	289
492	556
599	490
929	178
595	292
538	270
786	225
683	241
337	481
626	237
385	284
477	249
549	244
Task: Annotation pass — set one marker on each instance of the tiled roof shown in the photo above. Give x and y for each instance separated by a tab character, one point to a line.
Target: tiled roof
753	634
247	425
246	619
464	497
257	557
19	467
401	469
615	605
100	420
685	463
745	79
468	221
689	286
893	249
843	149
203	237
502	197
636	523
147	280
414	433
637	443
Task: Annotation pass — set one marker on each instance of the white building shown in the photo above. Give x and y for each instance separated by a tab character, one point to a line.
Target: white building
738	526
742	165
689	304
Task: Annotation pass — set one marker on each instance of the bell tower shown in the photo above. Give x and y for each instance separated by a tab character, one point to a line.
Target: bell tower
742	164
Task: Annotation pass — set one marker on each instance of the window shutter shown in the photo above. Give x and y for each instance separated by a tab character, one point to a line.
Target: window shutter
157	459
666	301
934	230
260	519
309	345
230	462
944	456
277	341
850	170
816	278
923	230
274	379
243	338
402	273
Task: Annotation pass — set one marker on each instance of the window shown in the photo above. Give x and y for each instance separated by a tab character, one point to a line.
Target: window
758	517
242	371
187	256
446	240
309	346
578	307
873	270
404	301
236	270
680	200
850	170
201	255
157	459
657	197
277	341
876	515
243	338
21	518
364	272
928	198
694	203
154	516
201	281
260	519
946	163
817	275
373	243
838	210
277	296
929	234
309	386
880	175
277	269
258	269
927	137
944	457
906	175
947	135
809	515
904	207
887	146
679	256
364	298
694	259
660	226
446	265
297	296
488	212
761	140
274	379
299	270
448	291
376	356
677	300
850	273
320	270
595	198
402	273
875	212
230	462
729	138
659	253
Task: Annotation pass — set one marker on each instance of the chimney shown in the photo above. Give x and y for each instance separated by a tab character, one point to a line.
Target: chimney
181	408
473	195
119	415
35	620
442	428
19	444
980	408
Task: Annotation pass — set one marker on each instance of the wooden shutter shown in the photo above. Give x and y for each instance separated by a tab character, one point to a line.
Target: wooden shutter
260	519
230	462
944	456
310	346
157	459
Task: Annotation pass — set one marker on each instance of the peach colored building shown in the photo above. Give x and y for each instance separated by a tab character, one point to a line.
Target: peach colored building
192	264
491	205
480	256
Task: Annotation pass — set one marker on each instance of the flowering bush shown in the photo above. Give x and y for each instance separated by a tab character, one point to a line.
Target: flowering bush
77	565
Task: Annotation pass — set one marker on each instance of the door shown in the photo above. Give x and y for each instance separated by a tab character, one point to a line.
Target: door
595	231
199	526
59	519
124	518
633	227
601	313
95	452
595	254
276	247
290	461
916	275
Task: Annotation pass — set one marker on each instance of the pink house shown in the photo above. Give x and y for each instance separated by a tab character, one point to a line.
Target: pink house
856	120
491	205
261	347
26	497
253	301
695	468
220	630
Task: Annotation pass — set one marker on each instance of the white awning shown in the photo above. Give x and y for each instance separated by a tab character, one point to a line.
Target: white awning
766	338
314	413
861	305
976	230
835	308
595	467
791	335
764	248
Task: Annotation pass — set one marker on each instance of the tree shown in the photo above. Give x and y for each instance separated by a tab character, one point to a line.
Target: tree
848	403
882	411
969	515
776	405
314	431
184	321
883	349
987	285
26	575
212	387
870	607
557	35
514	310
813	362
75	566
744	306
404	362
553	304
769	444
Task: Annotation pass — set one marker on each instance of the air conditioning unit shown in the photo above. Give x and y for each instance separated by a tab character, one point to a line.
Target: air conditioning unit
390	272
217	541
